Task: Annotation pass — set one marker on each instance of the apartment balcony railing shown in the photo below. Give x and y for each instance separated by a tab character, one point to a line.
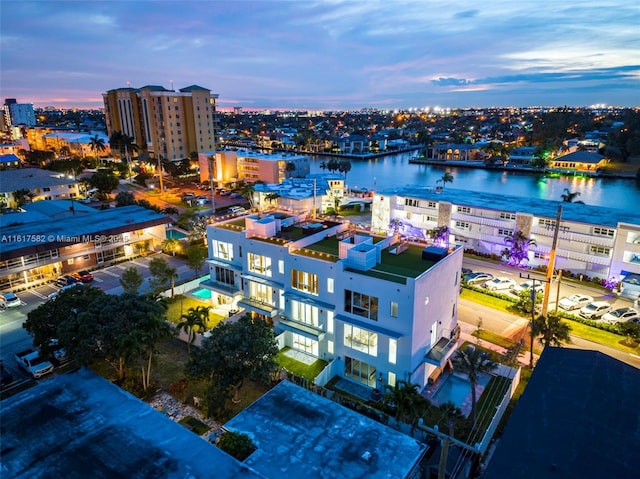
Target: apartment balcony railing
573	236
494	222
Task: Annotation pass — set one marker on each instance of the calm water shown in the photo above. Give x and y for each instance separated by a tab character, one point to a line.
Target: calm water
395	170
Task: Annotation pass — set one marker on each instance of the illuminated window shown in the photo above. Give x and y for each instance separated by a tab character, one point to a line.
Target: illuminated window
600	250
305	313
330	321
303	281
222	250
463	225
330	347
361	304
361	340
393	350
392	379
394	309
603	232
330	285
508	216
259	264
281	266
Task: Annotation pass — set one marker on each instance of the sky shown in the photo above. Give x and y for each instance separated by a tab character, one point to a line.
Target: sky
325	55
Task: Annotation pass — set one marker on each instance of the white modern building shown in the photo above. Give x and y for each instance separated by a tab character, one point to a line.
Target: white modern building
377	309
592	240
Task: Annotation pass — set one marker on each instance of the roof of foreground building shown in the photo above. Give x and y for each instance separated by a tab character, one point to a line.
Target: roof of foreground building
299	433
577	419
80	425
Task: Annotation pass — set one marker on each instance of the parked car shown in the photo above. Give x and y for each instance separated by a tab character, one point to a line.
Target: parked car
478	278
466	271
595	310
575	301
499	283
236	210
83	276
10	300
202	200
622	315
526	286
188	197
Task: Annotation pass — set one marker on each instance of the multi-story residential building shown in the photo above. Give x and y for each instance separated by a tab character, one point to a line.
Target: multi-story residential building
41	184
592	240
51	238
378	309
18	114
296	195
168	123
251	166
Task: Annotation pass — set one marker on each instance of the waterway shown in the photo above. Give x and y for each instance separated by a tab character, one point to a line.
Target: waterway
395	170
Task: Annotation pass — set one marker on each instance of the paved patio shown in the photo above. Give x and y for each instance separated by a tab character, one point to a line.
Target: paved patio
301	357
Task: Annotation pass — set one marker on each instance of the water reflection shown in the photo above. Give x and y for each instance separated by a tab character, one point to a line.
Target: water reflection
395	170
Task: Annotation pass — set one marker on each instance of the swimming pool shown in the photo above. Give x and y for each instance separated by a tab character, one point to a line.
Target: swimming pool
201	293
456	389
175	234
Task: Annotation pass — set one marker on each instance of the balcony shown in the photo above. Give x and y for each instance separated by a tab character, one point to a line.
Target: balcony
298	327
259	306
441	352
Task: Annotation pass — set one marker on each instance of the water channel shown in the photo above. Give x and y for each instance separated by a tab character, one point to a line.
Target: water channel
395	170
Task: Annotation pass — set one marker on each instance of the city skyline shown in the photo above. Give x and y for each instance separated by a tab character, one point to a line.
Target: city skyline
325	55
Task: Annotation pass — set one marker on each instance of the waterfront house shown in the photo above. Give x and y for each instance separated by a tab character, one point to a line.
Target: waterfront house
585	162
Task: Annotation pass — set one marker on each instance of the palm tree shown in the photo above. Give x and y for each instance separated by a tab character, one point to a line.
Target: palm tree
247	191
569	197
153	330
552	331
271	197
473	361
344	167
323	166
446	178
406	400
451	413
97	145
170	245
195	317
518	247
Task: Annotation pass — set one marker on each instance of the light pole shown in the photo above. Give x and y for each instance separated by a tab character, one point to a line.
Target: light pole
532	294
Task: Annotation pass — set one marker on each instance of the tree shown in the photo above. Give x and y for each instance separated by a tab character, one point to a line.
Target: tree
333	166
22	197
344	167
150	332
569	197
395	225
170	246
271	197
323	165
440	235
97	145
552	331
405	400
234	352
451	414
124	198
195	317
196	255
473	361
247	191
517	251
131	280
290	168
511	354
236	444
162	276
104	181
446	178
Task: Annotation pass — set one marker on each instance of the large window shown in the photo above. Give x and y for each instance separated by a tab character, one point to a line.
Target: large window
261	293
304	344
259	264
393	350
361	304
225	276
360	371
305	313
361	340
222	250
303	281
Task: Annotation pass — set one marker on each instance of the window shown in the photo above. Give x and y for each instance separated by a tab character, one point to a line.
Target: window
548	224
330	285
302	343
222	250
225	276
503	232
46	189
392	379
508	216
603	232
600	250
330	321
393	350
330	347
360	371
361	304
259	264
464	209
261	293
411	202
463	225
431	204
303	281
394	309
361	340
305	313
280	266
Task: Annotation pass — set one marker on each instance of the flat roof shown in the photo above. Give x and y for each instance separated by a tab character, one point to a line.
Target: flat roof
598	215
577	419
30	178
301	434
80	425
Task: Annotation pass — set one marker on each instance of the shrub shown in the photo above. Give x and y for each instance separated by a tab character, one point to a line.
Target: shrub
236	444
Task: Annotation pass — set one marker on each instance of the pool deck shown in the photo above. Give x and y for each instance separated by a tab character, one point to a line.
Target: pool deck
430	391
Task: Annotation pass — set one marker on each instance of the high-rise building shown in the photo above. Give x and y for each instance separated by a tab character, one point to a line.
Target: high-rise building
18	113
167	123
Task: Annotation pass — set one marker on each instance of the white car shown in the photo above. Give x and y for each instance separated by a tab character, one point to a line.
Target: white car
621	315
575	301
595	310
498	283
526	286
10	300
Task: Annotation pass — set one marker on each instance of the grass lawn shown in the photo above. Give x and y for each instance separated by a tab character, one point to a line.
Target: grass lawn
498	340
600	336
300	369
194	425
181	305
488	300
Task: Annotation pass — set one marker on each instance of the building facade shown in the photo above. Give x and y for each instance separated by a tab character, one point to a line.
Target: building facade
167	123
378	310
40	184
18	114
592	240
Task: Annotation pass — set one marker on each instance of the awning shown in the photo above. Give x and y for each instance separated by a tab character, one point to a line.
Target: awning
302	329
307	300
257	307
265	281
369	326
222	264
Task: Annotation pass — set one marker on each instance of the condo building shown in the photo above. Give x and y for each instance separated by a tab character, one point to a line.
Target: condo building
592	240
167	123
376	308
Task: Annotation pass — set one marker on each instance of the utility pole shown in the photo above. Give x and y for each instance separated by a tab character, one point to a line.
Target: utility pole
532	294
211	161
552	264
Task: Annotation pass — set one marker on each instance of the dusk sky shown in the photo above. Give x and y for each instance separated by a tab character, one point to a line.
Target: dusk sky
326	54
